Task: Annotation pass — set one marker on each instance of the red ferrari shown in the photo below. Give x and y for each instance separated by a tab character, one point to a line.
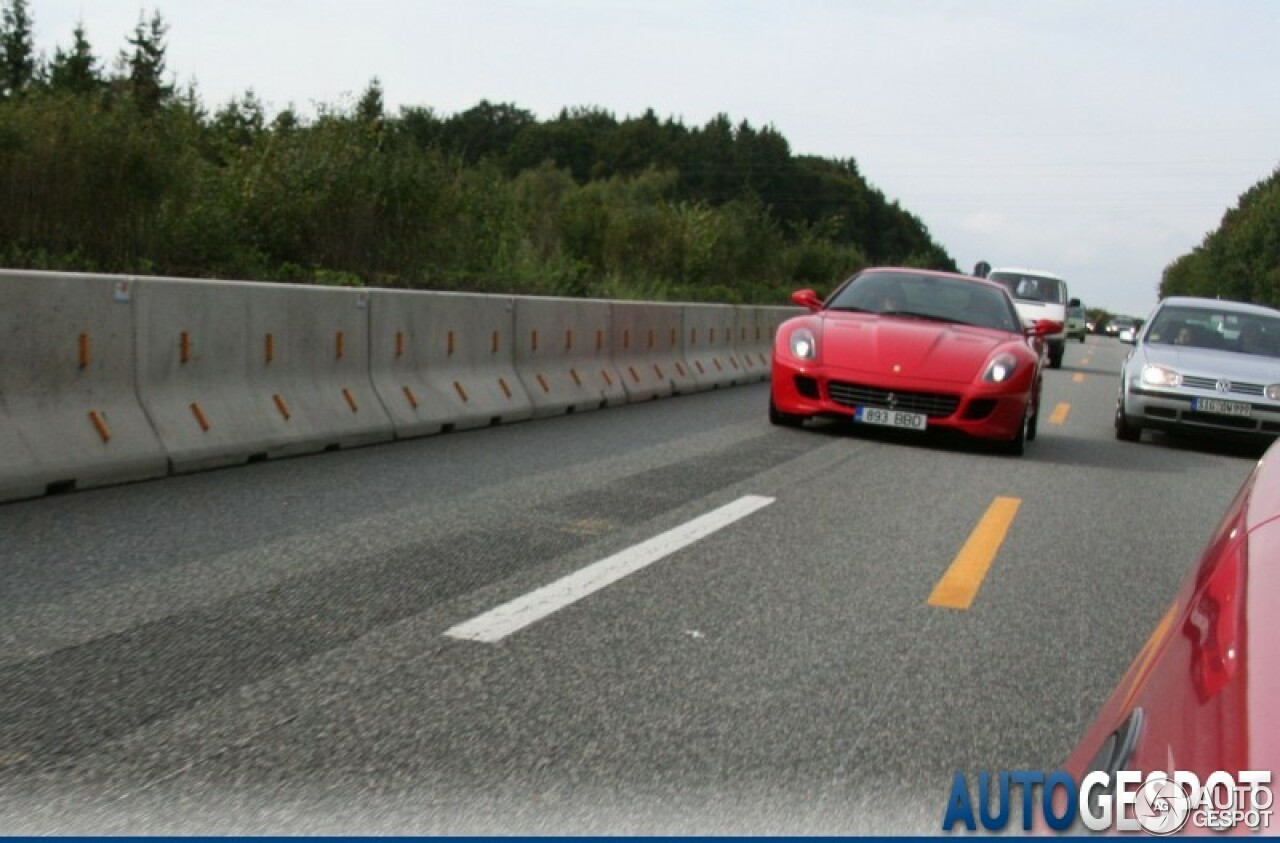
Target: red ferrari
916	350
1203	695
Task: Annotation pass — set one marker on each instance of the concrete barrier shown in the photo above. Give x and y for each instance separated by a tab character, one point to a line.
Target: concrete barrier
752	342
68	386
195	352
445	361
308	368
107	379
560	347
20	474
647	352
708	345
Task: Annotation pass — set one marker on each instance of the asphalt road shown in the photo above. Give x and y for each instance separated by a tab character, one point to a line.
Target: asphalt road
264	649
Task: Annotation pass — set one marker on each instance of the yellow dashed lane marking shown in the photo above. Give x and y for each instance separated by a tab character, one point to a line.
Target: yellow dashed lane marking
1060	414
959	585
1078	377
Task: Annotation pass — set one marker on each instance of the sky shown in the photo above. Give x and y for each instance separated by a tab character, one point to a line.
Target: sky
1096	139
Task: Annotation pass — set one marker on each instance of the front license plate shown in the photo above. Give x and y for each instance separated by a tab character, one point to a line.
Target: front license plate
891	418
1222	408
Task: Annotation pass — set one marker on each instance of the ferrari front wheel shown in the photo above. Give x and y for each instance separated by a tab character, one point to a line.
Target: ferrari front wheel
1018	445
782	419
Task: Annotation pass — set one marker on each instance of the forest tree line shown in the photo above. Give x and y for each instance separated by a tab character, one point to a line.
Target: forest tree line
1239	260
115	169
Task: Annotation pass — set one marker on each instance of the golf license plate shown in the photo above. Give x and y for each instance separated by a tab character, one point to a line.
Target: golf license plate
890	418
1222	408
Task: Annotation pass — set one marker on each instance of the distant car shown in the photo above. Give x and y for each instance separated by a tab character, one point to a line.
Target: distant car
915	350
1203	365
1077	322
1117	324
1039	296
1200	695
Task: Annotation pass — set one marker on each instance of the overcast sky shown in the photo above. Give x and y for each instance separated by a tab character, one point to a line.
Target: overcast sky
1098	140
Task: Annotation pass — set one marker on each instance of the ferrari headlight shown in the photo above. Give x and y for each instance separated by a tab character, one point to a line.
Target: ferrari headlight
1000	369
1273	392
803	345
1160	376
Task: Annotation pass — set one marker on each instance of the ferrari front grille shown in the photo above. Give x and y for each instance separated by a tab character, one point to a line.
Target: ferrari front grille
937	405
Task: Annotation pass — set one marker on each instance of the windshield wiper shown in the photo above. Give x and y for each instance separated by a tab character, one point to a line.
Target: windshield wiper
931	317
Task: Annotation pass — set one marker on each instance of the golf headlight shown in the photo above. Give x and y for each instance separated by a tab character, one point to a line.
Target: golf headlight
803	345
1273	392
1000	369
1160	376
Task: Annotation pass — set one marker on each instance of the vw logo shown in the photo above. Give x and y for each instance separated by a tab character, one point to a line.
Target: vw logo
1223	386
892	400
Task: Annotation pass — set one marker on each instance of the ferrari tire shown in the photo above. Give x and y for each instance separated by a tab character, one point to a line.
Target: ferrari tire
1126	431
1018	445
782	419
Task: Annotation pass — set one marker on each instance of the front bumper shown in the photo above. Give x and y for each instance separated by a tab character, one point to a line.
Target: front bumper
1171	411
983	411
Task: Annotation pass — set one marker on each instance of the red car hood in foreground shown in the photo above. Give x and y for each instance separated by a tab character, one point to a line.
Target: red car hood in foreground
909	347
1208	680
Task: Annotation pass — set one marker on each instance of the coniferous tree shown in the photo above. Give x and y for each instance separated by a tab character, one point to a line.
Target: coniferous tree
145	65
75	71
17	50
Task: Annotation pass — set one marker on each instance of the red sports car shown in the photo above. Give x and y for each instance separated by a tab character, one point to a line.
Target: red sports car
1203	695
912	349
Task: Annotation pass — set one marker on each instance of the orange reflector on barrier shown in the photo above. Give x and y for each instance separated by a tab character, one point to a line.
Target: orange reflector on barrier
462	393
100	425
281	406
574	374
269	347
84	351
506	390
543	383
184	347
413	402
351	401
199	414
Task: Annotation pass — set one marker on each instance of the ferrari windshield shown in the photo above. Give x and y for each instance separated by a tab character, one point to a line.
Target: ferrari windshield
1216	328
908	295
1037	288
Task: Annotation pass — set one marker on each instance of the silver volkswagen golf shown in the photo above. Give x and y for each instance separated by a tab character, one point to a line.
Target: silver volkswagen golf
1203	365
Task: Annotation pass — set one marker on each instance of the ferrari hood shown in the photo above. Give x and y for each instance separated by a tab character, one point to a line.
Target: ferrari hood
908	347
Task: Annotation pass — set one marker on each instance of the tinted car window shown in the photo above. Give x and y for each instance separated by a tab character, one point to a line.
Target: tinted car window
1031	287
929	297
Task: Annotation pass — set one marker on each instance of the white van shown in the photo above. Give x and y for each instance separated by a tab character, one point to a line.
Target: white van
1039	295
